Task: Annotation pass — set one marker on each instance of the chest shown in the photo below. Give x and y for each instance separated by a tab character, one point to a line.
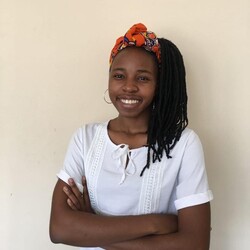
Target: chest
115	185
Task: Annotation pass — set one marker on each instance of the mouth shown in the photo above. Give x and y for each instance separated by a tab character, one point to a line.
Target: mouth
129	101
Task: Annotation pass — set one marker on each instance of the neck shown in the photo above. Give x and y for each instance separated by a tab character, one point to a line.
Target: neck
129	125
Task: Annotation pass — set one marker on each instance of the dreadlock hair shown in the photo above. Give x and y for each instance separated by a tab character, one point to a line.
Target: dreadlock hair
169	110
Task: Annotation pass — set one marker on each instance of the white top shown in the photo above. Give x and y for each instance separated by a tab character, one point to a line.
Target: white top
115	189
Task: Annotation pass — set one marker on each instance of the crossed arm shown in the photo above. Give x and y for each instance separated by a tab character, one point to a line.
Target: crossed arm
74	223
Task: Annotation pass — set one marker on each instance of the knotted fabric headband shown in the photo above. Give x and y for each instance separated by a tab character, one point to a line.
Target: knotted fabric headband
137	36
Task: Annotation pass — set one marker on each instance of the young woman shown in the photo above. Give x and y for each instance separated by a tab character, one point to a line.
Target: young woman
137	181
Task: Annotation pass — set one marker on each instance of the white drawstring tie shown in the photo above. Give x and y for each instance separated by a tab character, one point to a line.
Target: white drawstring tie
122	153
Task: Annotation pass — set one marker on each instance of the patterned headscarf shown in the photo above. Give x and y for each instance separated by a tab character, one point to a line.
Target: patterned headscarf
137	36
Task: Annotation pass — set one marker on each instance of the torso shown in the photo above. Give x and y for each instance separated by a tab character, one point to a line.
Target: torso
116	186
99	152
108	171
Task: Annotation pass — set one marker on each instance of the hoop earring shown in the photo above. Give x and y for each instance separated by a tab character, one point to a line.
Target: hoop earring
104	97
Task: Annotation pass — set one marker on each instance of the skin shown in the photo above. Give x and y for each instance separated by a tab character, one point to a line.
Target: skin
82	228
185	238
132	78
132	86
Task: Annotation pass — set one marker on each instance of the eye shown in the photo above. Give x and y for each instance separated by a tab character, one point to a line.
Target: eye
118	76
143	78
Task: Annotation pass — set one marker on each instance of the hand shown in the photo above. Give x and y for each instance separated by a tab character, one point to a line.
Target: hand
76	200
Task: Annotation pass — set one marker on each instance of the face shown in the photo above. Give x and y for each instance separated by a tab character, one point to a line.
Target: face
132	82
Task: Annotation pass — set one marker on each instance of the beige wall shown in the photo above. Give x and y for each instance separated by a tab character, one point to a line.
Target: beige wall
53	72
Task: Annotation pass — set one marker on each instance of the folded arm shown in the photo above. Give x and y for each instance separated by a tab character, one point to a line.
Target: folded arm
193	233
78	228
193	227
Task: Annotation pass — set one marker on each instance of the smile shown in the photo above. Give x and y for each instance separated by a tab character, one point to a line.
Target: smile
126	101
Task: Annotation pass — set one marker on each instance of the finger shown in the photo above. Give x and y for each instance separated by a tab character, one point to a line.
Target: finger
71	204
86	194
76	190
72	197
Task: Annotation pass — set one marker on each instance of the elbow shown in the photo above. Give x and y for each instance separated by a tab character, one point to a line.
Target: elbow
56	233
59	232
54	239
191	242
195	247
203	246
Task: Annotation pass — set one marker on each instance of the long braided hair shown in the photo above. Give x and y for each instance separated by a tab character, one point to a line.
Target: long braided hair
169	110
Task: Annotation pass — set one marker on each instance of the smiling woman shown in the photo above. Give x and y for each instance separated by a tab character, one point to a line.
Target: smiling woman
137	181
132	83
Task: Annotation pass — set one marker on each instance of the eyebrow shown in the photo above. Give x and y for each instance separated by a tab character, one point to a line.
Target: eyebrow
139	71
121	69
144	71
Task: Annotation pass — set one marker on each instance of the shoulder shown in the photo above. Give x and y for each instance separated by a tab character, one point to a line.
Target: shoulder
188	142
87	131
188	137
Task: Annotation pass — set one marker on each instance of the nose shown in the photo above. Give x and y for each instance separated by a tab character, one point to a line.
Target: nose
130	86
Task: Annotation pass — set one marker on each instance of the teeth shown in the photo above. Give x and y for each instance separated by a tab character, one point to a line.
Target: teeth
126	101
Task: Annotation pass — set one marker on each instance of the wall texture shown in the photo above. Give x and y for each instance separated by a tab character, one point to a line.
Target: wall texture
53	72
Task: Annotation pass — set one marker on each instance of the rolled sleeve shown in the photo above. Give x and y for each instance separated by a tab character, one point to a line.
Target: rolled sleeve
192	187
73	166
193	200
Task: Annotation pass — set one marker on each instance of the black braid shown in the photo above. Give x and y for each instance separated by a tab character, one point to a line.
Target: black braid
169	112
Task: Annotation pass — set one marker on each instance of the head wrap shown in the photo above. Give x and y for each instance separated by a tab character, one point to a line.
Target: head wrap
137	36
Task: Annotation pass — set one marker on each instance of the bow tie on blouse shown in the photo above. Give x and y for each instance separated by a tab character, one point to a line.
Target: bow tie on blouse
126	164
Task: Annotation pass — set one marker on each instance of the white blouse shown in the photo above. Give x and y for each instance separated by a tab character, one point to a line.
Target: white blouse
117	189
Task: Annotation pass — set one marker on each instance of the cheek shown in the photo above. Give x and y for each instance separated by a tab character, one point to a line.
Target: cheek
109	83
113	86
112	89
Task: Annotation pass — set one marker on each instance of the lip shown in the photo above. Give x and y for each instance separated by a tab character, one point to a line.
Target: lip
129	101
130	98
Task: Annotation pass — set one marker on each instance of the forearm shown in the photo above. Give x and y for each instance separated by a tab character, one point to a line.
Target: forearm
193	233
174	241
85	229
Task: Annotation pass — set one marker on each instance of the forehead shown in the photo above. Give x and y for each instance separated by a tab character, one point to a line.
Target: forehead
135	55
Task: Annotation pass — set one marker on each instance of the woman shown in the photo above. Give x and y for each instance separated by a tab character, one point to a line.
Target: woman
144	180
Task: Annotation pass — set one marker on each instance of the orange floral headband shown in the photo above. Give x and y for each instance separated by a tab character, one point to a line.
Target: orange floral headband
137	36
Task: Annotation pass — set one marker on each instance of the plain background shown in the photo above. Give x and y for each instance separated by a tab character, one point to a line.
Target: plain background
54	71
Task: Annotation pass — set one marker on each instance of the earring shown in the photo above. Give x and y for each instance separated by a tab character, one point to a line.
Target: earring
104	97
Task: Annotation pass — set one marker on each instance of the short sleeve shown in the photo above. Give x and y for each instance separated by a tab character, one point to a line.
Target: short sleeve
73	166
192	186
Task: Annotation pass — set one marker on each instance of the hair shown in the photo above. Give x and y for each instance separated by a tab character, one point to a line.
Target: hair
169	110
